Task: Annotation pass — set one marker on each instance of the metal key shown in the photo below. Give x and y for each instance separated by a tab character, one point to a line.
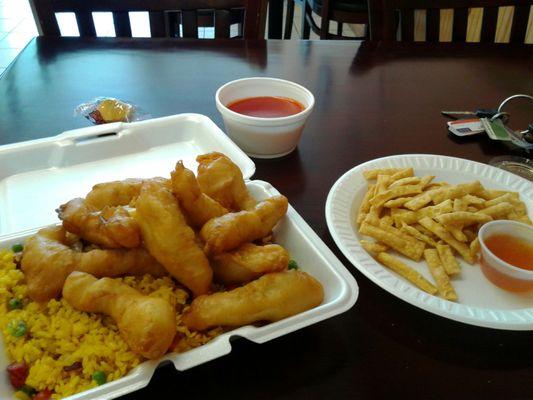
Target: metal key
480	113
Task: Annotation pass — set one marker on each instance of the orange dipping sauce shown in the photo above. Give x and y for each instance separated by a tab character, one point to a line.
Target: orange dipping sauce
515	251
266	106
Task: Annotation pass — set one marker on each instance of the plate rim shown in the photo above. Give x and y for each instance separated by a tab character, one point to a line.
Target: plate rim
470	315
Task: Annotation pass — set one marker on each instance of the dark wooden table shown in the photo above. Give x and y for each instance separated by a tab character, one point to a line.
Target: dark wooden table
371	101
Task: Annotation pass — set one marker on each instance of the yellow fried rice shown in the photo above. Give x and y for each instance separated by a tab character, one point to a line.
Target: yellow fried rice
58	336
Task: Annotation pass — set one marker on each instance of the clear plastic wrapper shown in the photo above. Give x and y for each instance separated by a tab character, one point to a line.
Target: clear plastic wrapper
103	110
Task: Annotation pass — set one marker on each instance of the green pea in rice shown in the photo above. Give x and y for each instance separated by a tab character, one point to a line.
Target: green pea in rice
57	335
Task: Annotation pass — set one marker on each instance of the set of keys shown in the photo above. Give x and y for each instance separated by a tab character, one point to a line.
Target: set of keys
493	122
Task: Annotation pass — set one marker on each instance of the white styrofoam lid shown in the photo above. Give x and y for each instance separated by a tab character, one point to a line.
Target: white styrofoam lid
37	176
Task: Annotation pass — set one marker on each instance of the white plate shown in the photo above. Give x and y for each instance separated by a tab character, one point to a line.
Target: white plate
480	302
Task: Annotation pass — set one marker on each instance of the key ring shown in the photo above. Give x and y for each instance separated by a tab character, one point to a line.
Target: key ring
507	100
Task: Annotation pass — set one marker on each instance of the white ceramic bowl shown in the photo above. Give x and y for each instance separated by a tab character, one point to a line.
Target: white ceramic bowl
496	270
264	137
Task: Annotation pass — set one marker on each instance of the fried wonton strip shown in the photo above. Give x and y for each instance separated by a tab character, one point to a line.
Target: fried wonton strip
373	173
417	234
389	228
497	210
471	199
459	205
410	217
474	247
402	173
382	183
492	194
406	272
387	220
463	218
401	245
420	200
520	218
444	286
454	192
426	180
411	180
364	208
457	233
448	260
507	197
399	191
425	231
373	247
398	202
443	234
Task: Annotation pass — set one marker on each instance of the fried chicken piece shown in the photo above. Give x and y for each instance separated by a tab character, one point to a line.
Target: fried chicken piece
47	260
272	297
229	231
117	193
198	206
112	227
147	324
249	262
221	179
170	240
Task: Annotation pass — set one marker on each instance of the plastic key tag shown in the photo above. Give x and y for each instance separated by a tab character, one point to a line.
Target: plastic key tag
496	129
466	127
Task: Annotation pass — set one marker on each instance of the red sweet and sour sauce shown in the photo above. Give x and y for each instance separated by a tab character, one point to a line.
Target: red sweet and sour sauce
266	106
514	251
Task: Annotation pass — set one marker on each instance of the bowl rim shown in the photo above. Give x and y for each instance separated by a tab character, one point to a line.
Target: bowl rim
276	120
504	264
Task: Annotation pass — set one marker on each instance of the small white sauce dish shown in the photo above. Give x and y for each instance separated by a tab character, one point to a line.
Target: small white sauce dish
264	137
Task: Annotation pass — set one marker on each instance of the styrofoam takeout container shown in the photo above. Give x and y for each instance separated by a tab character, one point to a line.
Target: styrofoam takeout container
39	175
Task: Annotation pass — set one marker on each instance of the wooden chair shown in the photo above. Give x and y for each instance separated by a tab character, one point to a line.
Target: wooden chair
165	16
341	11
392	20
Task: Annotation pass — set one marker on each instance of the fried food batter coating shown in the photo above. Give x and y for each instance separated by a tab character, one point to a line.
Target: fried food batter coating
198	206
249	262
47	260
112	227
170	240
231	230
117	193
148	324
272	297
221	179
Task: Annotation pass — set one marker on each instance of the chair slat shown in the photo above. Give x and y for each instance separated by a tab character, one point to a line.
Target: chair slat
432	24
121	20
520	20
85	23
222	24
45	17
488	24
157	24
407	22
173	23
190	24
460	23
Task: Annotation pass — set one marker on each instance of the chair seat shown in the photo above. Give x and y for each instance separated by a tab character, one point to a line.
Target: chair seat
341	5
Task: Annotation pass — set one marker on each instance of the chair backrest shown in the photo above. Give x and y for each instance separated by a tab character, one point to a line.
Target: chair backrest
392	20
165	16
